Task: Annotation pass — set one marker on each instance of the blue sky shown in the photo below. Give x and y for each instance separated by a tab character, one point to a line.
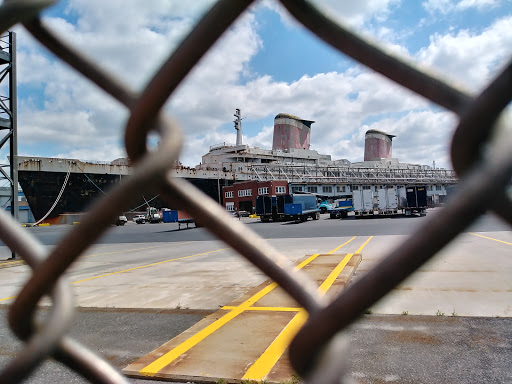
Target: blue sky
265	64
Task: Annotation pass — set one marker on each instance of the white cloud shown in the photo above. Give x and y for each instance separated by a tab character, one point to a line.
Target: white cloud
357	13
470	58
131	41
447	6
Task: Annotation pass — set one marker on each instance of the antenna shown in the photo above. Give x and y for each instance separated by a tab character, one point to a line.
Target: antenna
238	127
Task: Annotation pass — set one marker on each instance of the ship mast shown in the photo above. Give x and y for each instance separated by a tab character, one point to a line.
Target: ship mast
238	127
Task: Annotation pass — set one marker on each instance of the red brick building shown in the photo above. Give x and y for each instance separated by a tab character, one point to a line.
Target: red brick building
242	196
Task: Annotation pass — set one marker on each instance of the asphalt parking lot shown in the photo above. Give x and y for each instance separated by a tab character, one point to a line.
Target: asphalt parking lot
465	293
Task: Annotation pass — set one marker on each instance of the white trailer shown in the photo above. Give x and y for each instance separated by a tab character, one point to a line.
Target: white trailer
364	202
387	201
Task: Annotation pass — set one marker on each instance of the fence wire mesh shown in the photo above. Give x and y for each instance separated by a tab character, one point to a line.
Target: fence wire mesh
481	155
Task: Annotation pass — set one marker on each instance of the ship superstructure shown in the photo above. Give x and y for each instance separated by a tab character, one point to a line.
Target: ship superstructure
80	182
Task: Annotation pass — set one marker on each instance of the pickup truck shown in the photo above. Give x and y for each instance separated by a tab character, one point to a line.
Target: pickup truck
139	219
121	220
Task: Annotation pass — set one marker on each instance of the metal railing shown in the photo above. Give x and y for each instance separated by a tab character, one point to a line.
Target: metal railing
481	156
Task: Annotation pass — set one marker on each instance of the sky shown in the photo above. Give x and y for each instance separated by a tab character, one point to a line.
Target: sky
265	64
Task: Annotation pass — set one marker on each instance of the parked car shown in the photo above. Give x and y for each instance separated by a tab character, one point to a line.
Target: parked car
121	220
242	214
139	219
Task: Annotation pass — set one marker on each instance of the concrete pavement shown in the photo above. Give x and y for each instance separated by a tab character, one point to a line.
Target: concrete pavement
471	277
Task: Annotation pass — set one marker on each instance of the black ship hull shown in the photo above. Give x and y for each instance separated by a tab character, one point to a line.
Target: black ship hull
42	188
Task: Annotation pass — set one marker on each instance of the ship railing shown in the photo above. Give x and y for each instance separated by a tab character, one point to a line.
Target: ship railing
220	146
480	154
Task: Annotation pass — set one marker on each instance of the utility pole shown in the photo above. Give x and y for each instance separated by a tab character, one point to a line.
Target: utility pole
238	127
8	117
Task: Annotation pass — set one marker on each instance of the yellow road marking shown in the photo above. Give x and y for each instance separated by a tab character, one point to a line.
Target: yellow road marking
164	360
342	245
11	262
147	265
268	359
109	253
167	358
133	250
133	269
490	238
262	366
275	309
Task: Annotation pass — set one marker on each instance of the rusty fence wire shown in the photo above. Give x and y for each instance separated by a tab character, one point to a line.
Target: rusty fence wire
481	156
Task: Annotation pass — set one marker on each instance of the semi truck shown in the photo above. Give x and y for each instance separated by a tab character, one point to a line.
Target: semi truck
340	209
301	208
177	216
389	200
363	201
287	207
152	215
324	206
416	200
266	208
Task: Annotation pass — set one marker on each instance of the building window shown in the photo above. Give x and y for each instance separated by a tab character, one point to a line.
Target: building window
244	192
229	194
230	207
297	189
263	191
340	188
280	190
312	189
327	189
438	188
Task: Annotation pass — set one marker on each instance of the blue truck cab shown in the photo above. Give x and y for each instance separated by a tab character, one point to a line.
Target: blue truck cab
341	210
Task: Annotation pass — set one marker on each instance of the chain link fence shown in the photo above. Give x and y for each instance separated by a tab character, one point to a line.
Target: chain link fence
481	155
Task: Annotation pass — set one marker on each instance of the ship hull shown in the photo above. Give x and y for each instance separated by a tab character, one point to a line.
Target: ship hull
41	190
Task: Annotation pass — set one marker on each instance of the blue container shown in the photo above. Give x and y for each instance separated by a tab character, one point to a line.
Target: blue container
170	216
308	202
293	209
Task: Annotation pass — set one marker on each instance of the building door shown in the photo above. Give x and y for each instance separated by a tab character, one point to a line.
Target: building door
245	206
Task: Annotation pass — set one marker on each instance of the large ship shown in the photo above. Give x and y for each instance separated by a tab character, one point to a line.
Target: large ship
55	186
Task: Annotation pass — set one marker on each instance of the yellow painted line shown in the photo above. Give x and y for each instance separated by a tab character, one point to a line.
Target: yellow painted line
269	358
167	358
336	271
146	266
11	262
274	309
262	366
342	245
133	250
307	261
164	360
133	269
490	238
